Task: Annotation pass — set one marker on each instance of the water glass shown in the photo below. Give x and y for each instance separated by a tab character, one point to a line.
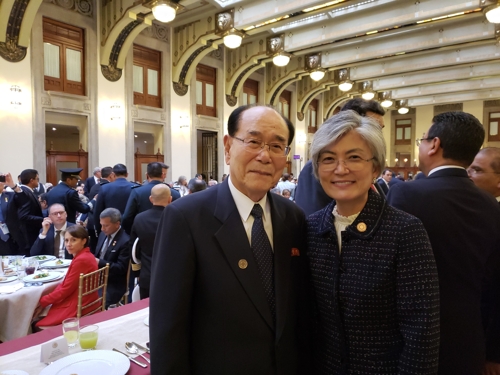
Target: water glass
88	337
71	329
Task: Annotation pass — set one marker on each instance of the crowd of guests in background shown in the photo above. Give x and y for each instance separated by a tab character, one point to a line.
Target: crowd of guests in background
403	277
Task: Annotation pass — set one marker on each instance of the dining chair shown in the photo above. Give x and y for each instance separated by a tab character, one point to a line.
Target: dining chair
90	283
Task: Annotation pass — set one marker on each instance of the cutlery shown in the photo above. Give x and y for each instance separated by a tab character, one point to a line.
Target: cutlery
132	348
141	347
143	365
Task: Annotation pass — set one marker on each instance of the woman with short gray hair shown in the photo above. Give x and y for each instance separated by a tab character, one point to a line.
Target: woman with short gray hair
373	274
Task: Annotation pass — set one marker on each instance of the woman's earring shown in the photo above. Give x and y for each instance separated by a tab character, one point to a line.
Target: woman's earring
374	179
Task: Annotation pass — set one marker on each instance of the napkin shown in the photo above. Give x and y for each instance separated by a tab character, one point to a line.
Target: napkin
10	288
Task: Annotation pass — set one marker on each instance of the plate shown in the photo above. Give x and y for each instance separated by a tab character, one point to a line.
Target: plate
8	279
53	263
146	321
91	362
51	277
44	258
13	372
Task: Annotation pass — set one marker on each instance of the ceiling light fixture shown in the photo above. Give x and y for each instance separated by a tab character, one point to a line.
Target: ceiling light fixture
163	10
367	91
224	27
492	13
385	99
402	106
276	49
313	66
317	74
345	84
281	59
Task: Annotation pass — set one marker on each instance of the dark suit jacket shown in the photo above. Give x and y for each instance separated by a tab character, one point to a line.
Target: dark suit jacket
46	246
89	182
144	228
114	194
383	185
463	225
9	204
208	315
68	197
139	202
309	194
31	217
118	257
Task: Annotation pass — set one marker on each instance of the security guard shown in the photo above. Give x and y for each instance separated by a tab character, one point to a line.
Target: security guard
65	194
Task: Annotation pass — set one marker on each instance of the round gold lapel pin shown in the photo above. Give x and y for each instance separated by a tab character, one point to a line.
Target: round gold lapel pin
242	264
361	227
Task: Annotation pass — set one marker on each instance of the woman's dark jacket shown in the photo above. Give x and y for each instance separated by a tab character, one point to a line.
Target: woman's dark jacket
376	302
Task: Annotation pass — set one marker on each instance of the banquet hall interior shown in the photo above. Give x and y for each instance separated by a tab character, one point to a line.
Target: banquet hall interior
86	83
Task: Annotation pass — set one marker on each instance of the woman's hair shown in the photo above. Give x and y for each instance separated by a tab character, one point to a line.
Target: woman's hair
342	123
78	231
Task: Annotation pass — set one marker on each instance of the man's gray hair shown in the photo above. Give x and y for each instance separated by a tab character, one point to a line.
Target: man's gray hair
97	169
113	214
342	123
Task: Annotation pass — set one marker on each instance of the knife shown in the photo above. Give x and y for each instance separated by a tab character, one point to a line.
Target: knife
141	347
143	365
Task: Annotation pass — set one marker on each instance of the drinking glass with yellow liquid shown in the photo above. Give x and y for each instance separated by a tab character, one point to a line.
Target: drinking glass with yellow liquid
88	337
71	327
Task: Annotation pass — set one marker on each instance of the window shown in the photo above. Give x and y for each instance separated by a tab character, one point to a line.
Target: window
403	132
63	57
147	76
494	120
312	117
284	103
250	92
205	91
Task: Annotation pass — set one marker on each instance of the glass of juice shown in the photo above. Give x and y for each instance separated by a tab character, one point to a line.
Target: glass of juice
71	328
88	337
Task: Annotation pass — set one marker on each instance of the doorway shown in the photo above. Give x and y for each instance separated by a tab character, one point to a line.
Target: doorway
207	161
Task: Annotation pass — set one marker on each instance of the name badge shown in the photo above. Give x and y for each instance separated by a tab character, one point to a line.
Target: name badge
4	229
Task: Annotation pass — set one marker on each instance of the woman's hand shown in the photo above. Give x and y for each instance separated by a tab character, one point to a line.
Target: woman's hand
38	311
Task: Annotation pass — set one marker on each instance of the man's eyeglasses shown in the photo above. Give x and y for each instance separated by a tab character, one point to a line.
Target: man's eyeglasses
256	145
419	140
475	171
57	213
353	163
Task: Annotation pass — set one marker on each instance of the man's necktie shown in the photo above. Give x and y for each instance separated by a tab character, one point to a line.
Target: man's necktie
4	237
264	257
57	243
105	247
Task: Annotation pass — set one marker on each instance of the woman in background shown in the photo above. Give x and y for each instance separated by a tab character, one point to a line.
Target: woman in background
372	268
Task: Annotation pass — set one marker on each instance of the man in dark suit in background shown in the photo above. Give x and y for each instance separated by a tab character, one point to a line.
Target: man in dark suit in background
228	289
12	241
112	248
463	225
309	195
139	198
145	228
30	214
383	181
66	194
91	181
115	194
485	171
50	241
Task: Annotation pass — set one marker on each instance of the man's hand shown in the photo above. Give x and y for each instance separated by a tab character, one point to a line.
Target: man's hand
491	368
46	223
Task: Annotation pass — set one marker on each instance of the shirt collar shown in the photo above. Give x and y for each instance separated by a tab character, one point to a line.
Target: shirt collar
112	235
498	198
63	228
444	167
245	204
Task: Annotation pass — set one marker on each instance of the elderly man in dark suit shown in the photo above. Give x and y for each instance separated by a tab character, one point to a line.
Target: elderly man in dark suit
30	214
485	171
115	194
91	181
112	248
12	241
228	282
50	241
66	194
462	222
144	230
139	198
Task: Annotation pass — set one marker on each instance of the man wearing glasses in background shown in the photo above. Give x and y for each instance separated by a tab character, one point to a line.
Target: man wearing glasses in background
463	224
485	171
228	284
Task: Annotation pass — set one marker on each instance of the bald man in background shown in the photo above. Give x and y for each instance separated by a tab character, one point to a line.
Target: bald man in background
144	228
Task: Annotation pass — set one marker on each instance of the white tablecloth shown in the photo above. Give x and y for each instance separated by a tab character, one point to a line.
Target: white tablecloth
16	309
112	334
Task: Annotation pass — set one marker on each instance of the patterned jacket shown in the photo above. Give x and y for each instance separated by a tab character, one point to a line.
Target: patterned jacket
376	302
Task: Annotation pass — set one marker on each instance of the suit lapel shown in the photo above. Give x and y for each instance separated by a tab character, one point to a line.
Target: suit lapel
282	259
233	241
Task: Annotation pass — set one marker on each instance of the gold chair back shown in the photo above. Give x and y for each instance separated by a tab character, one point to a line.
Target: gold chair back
90	283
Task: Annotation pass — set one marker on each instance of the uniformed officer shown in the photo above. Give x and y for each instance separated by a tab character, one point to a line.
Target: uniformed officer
65	194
